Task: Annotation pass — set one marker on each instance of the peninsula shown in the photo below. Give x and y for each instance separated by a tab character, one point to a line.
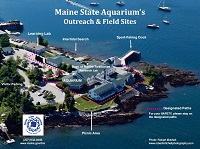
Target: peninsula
67	87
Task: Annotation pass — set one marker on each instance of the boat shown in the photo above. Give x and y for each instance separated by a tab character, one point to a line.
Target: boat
153	26
120	3
163	7
165	21
94	4
10	141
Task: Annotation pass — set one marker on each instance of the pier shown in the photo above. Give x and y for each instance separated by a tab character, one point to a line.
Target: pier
11	25
5	130
130	56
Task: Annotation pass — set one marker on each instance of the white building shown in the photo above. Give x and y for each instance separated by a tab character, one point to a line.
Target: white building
102	92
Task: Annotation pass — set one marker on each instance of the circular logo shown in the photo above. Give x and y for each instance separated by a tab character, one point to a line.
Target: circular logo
33	124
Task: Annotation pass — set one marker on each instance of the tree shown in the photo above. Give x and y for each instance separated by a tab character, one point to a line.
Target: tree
18	60
4	41
49	73
62	85
36	82
59	73
35	75
63	66
69	100
24	64
45	42
11	63
38	73
40	40
69	68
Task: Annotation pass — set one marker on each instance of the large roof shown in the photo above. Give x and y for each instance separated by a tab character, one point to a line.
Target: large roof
113	60
119	81
7	49
63	58
56	60
34	46
99	89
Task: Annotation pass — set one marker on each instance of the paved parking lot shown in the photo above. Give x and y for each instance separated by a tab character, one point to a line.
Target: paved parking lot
49	87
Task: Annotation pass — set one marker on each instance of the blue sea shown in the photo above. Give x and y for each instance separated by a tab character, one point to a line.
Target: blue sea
176	44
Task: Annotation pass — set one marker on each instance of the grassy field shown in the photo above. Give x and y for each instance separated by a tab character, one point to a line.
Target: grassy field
86	106
129	88
47	54
147	81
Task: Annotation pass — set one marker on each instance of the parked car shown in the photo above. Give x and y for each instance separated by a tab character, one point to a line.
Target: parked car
33	90
40	94
37	103
43	91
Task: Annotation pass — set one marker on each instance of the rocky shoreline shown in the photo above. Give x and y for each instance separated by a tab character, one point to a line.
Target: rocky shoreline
127	106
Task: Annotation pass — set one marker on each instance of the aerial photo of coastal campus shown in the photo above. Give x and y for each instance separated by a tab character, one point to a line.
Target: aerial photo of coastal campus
46	88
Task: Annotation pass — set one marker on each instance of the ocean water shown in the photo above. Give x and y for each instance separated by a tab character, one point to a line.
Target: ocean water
176	44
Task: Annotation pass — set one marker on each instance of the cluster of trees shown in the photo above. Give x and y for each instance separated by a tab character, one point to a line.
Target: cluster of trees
19	61
42	41
45	109
66	67
59	73
49	74
11	96
24	64
35	75
8	72
61	84
151	73
4	41
69	101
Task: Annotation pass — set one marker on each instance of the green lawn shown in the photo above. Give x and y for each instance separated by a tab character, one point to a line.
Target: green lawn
147	81
86	106
47	54
129	88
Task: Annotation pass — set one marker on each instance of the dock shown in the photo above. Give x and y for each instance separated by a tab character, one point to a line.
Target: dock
5	130
130	56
